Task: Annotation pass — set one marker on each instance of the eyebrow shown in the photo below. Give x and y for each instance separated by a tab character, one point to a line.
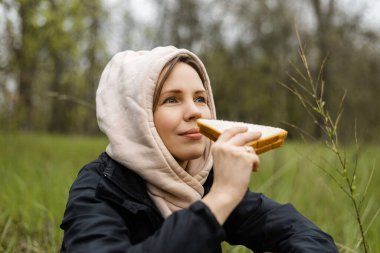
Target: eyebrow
180	91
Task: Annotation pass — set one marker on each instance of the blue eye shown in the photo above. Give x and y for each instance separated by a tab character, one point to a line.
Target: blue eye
200	100
170	100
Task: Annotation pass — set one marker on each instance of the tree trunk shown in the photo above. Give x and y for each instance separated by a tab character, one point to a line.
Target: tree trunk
324	18
92	77
26	69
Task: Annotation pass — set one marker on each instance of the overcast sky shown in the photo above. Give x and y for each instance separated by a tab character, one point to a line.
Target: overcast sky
144	11
371	9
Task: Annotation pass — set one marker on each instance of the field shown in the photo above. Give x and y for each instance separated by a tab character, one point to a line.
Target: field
37	171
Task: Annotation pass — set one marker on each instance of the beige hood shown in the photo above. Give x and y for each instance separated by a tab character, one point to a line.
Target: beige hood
124	102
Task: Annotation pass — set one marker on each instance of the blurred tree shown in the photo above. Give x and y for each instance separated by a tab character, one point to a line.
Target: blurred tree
55	48
179	23
77	43
25	48
60	47
343	42
260	40
96	58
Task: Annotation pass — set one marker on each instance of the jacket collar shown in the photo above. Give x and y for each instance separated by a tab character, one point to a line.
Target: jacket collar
132	184
127	180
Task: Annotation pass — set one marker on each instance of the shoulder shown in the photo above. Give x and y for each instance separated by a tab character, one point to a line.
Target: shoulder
106	171
104	182
104	179
90	174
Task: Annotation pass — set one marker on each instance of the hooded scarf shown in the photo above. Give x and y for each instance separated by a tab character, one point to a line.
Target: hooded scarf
124	108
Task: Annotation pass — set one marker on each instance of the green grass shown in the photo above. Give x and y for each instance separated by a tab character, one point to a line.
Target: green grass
37	171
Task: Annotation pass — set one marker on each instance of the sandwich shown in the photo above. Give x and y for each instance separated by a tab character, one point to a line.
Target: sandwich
271	137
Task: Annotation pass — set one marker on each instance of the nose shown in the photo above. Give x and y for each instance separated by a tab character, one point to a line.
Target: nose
192	112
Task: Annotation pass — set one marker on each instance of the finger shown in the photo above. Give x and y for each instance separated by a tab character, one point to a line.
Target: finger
256	164
231	132
249	149
244	138
254	158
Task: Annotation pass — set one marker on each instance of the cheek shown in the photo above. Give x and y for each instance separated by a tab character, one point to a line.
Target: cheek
163	122
206	113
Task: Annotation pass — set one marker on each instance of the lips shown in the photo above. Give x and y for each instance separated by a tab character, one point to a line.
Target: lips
192	134
191	131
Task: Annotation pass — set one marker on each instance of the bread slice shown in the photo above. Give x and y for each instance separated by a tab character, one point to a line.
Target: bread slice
271	137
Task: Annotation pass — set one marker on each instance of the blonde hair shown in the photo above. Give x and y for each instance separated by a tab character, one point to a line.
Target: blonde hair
168	68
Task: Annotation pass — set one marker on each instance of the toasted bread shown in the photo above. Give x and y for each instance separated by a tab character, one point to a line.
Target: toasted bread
271	137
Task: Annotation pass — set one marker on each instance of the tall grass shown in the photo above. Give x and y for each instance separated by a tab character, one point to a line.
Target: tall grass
292	174
310	91
37	171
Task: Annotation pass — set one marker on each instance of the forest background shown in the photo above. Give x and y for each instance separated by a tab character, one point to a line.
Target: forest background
52	53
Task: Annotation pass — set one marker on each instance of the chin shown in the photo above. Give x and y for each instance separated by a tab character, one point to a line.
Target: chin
190	155
195	156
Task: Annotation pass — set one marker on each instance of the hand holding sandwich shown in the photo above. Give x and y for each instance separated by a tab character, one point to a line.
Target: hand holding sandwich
233	164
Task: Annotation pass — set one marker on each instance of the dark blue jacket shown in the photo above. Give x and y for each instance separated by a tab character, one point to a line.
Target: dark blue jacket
109	210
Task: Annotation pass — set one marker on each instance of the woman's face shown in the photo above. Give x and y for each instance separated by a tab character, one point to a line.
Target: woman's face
182	101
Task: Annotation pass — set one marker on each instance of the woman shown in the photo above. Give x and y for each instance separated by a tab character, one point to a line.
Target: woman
163	187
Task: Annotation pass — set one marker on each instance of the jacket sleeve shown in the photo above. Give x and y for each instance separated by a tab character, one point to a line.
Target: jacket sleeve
266	226
93	225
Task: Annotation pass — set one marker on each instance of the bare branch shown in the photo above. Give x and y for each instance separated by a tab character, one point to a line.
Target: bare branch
79	101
